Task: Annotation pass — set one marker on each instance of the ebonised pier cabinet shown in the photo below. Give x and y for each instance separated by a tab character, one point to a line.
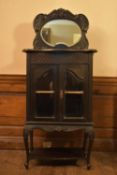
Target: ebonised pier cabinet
59	90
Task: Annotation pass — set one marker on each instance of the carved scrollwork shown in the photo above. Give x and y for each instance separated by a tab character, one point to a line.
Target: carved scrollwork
57	128
83	22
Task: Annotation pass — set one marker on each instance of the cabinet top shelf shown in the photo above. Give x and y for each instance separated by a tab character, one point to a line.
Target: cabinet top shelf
60	50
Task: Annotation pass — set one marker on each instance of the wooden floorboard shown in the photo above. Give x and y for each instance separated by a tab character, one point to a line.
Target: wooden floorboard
11	162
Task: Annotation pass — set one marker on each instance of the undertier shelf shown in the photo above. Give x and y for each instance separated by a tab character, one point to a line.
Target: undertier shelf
57	154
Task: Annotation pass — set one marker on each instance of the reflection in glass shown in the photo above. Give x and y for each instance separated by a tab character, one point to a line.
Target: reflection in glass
45	105
45	81
73	81
73	105
61	31
45	95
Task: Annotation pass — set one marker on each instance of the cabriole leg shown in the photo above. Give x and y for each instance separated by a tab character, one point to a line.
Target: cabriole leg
26	147
88	145
31	140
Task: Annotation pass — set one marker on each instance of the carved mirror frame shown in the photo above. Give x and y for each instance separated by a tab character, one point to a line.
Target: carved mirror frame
41	19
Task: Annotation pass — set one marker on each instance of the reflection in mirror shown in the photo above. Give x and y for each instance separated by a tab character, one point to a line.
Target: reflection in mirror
61	31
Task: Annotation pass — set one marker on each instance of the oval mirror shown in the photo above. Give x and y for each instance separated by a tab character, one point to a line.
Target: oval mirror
61	31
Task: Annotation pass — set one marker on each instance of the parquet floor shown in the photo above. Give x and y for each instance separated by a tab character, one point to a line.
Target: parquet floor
12	163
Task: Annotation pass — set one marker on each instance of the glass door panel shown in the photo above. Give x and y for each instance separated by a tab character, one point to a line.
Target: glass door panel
45	105
44	90
74	92
73	105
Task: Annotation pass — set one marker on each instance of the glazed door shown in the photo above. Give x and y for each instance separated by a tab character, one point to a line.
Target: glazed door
60	92
44	92
75	92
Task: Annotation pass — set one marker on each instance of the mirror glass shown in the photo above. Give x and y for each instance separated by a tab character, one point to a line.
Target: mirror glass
61	31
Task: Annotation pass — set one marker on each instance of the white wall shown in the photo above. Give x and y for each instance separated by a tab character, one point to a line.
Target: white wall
16	31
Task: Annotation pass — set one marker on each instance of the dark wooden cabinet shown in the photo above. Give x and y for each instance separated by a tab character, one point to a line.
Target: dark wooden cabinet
59	86
59	94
